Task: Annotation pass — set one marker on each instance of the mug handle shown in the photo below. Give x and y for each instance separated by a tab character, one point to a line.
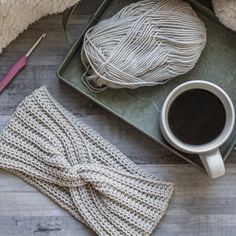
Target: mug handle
213	163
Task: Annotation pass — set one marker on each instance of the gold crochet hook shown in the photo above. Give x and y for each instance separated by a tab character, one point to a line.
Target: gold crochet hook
35	45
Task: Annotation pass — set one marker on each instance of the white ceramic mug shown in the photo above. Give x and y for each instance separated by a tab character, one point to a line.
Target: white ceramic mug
209	153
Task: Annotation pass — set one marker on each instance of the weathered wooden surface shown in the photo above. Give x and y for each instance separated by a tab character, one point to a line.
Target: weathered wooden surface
200	206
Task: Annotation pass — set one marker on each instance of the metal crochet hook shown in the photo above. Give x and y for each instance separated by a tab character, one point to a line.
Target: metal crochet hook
35	45
18	66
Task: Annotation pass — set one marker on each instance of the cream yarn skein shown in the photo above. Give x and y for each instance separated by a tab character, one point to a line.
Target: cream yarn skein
146	43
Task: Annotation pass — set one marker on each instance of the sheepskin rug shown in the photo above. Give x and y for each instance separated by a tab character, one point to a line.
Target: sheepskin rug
226	12
17	15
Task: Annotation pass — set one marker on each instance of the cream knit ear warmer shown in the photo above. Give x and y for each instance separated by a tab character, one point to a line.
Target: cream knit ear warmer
72	164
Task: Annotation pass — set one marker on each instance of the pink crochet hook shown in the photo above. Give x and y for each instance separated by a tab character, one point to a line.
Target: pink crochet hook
18	66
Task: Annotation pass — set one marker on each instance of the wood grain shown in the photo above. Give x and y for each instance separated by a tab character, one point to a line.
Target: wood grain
200	206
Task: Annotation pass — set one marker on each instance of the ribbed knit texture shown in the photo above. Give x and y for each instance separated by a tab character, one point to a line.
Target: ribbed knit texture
72	164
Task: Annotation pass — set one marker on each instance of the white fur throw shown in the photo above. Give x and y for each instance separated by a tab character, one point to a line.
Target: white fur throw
17	15
226	12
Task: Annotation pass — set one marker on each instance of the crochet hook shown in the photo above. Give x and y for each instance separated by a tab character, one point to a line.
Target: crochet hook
18	66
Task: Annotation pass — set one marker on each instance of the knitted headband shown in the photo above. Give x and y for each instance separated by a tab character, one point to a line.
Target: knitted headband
65	159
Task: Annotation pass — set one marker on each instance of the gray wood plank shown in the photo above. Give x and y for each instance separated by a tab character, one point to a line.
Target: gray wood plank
42	226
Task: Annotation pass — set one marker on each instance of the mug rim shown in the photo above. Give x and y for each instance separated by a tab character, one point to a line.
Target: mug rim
215	143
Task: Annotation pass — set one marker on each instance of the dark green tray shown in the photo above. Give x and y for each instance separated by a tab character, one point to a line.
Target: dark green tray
141	107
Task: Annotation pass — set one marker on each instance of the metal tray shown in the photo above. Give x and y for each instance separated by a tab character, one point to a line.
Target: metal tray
141	107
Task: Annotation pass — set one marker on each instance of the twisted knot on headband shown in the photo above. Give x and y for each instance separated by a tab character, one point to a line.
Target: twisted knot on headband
146	43
72	164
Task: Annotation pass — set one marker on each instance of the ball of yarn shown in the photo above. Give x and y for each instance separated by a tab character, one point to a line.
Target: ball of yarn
226	12
146	43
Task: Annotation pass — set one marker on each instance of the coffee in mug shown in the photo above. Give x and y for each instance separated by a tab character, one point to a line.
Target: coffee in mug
198	117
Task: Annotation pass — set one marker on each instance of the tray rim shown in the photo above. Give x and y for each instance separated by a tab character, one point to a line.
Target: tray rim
76	45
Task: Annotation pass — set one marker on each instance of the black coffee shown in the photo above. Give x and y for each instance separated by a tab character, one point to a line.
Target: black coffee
197	117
